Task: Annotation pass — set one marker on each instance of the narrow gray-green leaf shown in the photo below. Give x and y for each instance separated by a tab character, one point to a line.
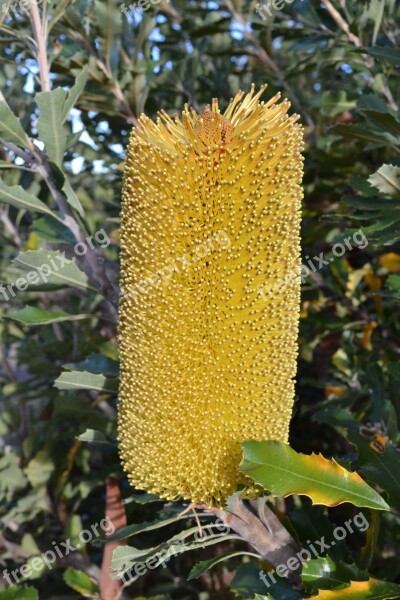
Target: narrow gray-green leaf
52	268
11	129
50	123
18	197
92	436
204	565
83	380
72	198
74	93
33	315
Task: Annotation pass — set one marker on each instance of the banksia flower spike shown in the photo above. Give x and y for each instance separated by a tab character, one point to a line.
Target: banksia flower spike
208	323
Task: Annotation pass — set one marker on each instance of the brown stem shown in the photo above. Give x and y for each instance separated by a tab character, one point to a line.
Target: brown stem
255	522
337	17
41	45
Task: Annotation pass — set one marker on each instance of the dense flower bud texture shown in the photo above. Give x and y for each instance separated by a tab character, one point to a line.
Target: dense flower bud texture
208	362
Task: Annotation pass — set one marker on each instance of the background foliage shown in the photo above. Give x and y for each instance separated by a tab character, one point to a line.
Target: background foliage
338	64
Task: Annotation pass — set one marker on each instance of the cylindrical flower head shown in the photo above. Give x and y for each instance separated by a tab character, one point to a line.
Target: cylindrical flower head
210	283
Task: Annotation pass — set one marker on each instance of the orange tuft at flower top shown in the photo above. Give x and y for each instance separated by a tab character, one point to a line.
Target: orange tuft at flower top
206	363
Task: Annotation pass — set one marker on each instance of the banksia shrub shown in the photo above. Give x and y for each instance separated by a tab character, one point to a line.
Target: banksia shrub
209	309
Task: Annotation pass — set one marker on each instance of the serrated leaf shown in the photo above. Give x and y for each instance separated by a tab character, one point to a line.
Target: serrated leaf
11	129
387	180
82	380
80	582
50	123
33	315
137	528
62	272
373	589
126	557
204	565
19	593
283	471
18	197
382	469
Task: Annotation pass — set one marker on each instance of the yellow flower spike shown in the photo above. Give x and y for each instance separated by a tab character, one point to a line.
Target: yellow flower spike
209	311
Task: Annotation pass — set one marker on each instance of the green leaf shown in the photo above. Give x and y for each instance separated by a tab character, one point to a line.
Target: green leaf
18	197
362	133
333	104
19	593
384	120
126	557
110	24
74	93
137	528
92	436
12	478
72	198
372	102
96	363
324	573
283	471
393	283
52	231
143	498
11	129
82	380
50	123
40	469
368	203
52	269
204	565
80	582
382	469
33	315
387	180
386	54
247	582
